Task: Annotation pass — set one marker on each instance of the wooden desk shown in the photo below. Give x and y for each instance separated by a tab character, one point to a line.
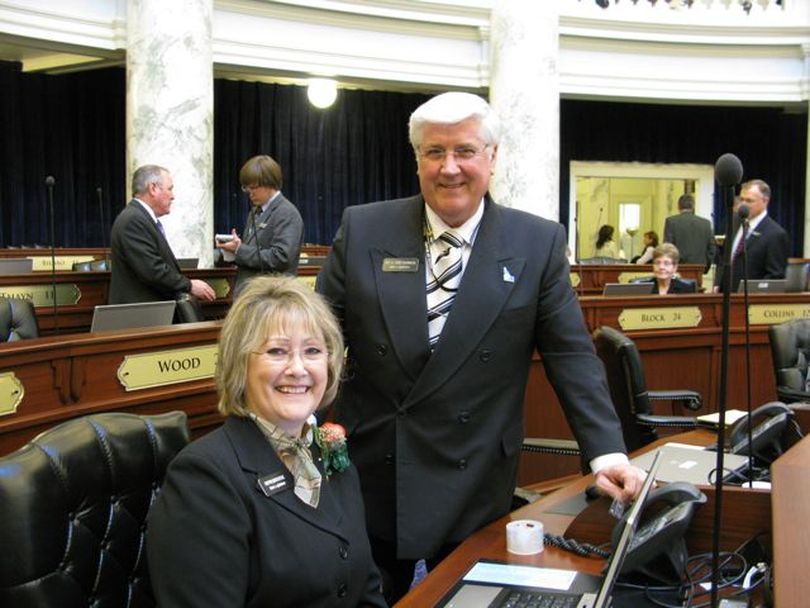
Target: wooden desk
746	512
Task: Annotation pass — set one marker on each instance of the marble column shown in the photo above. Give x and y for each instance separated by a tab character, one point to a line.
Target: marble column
170	112
524	89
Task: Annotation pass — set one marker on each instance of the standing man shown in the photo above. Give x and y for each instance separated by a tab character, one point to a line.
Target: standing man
274	232
691	234
766	244
143	267
443	297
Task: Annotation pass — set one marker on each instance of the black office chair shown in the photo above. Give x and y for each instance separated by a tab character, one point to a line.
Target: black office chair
100	265
628	390
188	310
602	260
73	502
82	267
790	352
18	321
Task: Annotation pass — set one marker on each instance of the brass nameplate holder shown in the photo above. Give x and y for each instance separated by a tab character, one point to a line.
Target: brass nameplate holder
771	314
671	317
309	280
220	286
43	263
162	368
575	279
11	393
628	277
67	294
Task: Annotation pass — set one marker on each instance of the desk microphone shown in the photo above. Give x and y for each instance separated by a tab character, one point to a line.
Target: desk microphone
743	211
49	184
728	172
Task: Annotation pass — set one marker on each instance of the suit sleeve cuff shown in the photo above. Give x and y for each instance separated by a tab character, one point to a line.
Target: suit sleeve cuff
607	460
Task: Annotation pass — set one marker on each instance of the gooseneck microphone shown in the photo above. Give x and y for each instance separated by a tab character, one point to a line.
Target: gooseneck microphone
743	211
728	172
49	184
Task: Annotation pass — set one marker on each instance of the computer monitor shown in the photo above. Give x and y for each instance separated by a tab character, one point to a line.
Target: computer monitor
628	289
763	286
129	316
16	266
188	263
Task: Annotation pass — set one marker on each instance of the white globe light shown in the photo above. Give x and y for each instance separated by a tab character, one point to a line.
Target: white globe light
322	92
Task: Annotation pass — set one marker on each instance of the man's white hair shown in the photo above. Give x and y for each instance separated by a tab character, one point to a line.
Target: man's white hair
453	108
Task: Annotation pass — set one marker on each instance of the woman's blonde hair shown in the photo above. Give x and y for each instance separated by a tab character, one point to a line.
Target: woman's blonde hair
265	304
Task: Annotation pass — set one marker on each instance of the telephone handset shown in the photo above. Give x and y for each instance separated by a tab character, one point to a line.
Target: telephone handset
770	421
657	548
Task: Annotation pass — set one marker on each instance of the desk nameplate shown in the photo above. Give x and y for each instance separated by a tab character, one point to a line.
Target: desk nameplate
628	277
220	286
42	263
575	279
771	314
162	368
670	317
67	294
11	393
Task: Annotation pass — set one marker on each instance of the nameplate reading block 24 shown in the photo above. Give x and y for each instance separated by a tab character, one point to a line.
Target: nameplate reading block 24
161	368
11	393
575	279
671	317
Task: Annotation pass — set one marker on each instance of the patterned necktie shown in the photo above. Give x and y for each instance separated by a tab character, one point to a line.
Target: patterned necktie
738	249
160	228
443	281
295	454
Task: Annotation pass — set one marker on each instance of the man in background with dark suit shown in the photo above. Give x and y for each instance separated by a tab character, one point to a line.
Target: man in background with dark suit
274	232
443	297
691	234
143	267
766	243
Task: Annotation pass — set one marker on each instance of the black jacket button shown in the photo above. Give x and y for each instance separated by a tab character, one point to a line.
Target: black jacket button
464	417
342	590
382	350
485	355
462	464
343	552
389	458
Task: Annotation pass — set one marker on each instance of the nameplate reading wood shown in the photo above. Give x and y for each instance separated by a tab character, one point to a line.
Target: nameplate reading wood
43	263
67	294
162	368
11	393
770	314
671	317
575	279
627	277
220	286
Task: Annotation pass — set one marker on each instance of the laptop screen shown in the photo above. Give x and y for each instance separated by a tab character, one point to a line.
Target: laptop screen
627	289
763	286
129	316
16	266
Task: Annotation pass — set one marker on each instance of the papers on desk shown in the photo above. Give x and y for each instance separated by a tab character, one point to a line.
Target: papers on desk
521	576
713	420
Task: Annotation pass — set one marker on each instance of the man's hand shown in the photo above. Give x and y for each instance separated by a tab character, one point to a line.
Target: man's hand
202	290
621	481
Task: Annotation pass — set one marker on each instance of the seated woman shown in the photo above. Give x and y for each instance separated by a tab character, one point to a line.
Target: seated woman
650	243
256	513
605	245
665	266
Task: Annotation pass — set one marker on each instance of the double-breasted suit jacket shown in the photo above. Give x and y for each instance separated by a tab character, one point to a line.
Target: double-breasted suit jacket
276	244
143	267
215	539
436	437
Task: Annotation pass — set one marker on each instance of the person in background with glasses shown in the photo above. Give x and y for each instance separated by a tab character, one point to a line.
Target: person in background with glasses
274	231
267	509
143	267
443	297
665	268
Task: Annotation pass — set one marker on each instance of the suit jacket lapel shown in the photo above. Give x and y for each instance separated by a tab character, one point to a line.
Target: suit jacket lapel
257	458
163	244
488	280
402	294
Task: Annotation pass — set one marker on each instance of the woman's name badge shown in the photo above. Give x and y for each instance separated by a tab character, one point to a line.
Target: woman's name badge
400	264
272	484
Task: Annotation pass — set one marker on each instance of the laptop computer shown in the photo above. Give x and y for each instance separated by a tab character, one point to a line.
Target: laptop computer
628	289
129	316
16	266
690	463
763	286
188	263
482	586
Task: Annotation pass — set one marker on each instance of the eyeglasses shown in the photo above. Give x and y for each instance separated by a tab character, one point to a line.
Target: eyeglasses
279	355
251	188
461	154
663	262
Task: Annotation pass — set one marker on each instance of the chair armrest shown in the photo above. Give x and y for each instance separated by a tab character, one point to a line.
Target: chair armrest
559	447
681	422
692	399
789	395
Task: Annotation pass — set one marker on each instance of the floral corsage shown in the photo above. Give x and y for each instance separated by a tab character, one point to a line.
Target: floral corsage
331	438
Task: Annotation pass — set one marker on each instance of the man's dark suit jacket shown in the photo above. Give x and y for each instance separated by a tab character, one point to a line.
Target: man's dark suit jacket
767	249
143	267
436	438
280	231
693	236
215	539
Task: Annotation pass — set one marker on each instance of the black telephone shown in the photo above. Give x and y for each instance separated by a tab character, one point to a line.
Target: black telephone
658	549
773	420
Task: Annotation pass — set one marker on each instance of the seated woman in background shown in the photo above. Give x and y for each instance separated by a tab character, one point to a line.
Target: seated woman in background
256	513
665	266
650	243
605	245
